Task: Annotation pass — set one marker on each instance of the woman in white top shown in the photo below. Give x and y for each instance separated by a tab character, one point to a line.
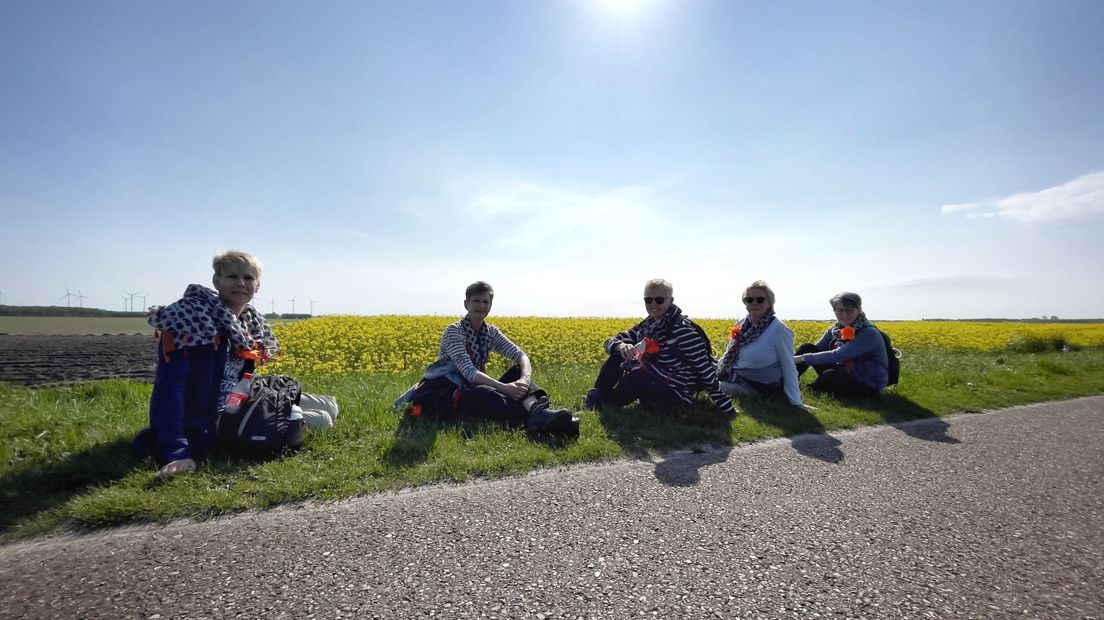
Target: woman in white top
759	356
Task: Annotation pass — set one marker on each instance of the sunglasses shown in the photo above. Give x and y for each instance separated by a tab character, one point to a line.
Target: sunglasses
758	300
658	300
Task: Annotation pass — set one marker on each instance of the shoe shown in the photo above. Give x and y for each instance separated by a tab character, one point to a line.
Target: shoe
592	400
177	467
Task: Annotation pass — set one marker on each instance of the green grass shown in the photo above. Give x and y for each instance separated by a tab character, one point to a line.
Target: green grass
66	462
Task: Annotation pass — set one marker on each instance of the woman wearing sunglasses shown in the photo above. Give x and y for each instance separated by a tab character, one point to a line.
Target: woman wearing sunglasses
759	358
662	361
850	358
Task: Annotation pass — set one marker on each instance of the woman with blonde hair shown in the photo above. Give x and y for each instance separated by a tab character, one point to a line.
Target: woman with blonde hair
759	356
208	340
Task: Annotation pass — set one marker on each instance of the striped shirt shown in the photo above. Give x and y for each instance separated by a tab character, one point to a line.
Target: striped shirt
455	349
684	361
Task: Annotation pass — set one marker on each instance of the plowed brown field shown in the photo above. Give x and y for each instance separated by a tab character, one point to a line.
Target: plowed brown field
43	360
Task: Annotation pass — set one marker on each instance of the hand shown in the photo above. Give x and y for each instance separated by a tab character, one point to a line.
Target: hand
514	390
626	351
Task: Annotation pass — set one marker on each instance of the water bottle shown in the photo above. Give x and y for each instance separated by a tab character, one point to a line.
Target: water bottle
238	394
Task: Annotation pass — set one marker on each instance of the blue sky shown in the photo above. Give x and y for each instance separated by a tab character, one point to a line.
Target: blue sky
943	159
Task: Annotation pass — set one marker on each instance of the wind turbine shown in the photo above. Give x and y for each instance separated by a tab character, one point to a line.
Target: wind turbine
80	299
131	299
143	296
273	305
67	296
312	306
124	302
292	300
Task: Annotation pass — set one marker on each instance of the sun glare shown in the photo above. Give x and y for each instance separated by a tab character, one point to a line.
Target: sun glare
623	7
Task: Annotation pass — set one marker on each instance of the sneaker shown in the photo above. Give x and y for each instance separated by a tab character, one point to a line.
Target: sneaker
593	399
177	467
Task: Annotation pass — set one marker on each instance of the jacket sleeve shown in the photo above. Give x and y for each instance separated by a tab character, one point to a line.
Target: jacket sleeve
866	341
784	345
453	345
505	347
701	363
629	336
167	405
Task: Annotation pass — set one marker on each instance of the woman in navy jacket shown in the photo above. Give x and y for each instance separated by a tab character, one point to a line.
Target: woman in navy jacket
850	358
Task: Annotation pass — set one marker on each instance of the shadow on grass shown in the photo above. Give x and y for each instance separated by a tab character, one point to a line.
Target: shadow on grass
40	488
641	432
415	437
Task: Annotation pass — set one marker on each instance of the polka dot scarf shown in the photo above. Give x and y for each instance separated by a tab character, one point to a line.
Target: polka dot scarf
200	317
478	345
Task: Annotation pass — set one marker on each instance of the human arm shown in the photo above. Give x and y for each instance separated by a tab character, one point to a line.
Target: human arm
453	343
784	345
866	341
824	344
700	359
623	342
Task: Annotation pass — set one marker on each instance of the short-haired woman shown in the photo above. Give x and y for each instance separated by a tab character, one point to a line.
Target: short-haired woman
457	382
850	358
208	340
759	355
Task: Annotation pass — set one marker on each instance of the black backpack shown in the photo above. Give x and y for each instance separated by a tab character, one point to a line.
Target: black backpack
262	427
894	359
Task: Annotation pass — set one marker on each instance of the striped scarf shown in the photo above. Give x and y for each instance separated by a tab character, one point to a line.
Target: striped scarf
749	333
478	345
654	327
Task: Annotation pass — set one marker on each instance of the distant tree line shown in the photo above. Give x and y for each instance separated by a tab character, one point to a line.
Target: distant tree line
99	312
63	311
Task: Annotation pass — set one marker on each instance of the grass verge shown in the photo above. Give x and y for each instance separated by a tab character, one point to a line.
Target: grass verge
66	461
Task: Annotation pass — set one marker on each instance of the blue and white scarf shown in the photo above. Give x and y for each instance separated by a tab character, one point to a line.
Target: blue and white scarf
749	333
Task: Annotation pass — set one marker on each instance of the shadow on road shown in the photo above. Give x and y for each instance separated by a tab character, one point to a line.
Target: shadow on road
684	470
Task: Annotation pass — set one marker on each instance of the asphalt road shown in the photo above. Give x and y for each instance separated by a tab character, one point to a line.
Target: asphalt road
994	515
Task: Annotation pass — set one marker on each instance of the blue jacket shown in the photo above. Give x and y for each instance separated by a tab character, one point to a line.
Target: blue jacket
184	407
867	351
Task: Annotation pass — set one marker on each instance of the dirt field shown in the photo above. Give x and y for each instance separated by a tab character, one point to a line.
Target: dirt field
43	360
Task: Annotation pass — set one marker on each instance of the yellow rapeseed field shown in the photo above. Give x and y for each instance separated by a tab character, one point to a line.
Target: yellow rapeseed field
390	344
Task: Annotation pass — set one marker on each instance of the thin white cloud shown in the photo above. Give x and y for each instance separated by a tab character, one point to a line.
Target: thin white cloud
1078	197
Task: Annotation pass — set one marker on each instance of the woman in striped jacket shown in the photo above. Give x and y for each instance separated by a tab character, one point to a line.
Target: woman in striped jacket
663	361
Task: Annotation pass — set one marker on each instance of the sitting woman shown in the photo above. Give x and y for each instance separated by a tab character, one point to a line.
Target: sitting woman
457	384
208	340
850	358
759	357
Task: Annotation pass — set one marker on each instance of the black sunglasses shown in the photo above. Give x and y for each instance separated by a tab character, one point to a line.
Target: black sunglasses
758	300
658	300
